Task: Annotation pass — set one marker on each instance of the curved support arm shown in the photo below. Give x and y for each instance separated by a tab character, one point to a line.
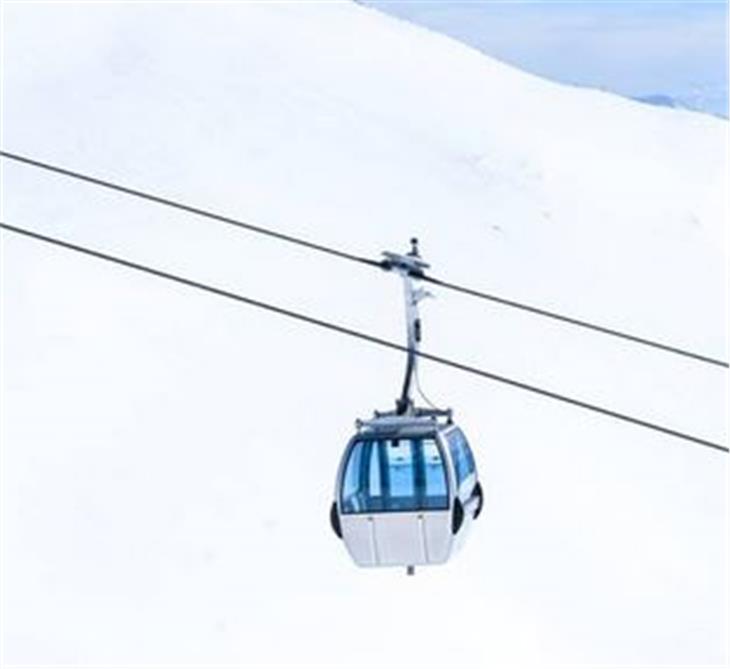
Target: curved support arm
410	266
413	332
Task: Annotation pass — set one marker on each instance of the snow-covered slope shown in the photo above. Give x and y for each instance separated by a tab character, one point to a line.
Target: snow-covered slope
168	458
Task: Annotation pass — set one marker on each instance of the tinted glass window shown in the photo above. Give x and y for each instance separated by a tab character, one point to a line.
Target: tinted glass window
374	487
352	491
394	475
401	473
436	496
461	455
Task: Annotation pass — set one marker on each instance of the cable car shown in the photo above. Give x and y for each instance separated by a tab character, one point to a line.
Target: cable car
407	489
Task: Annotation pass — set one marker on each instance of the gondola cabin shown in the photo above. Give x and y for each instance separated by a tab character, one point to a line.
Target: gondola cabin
406	492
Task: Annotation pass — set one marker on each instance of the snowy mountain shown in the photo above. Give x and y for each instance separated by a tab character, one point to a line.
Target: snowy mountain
595	45
169	457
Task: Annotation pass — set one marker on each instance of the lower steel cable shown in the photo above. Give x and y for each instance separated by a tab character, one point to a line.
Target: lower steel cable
364	336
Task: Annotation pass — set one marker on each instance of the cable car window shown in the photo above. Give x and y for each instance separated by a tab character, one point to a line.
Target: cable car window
352	492
374	487
362	489
401	475
436	494
461	455
394	475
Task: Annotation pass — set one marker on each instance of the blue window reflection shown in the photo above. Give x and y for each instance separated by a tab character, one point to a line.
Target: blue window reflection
401	479
435	476
394	475
461	455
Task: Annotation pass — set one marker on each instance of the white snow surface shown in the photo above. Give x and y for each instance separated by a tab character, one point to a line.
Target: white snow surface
168	457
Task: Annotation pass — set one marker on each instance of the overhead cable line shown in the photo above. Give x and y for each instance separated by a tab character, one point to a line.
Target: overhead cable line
332	251
328	325
281	236
574	321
